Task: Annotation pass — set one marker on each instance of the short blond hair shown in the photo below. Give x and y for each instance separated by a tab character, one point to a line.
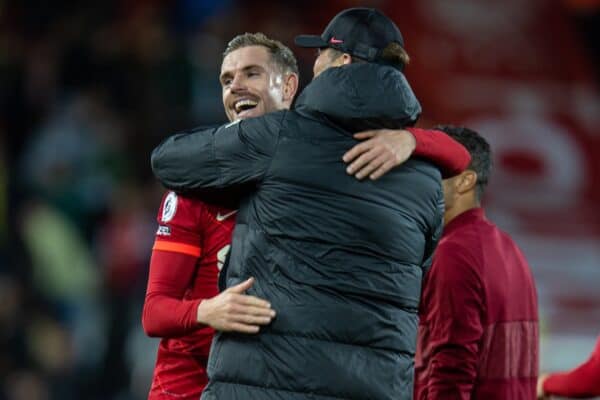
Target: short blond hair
281	55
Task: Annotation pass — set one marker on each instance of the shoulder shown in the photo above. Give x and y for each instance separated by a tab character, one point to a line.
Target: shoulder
455	268
271	120
459	252
455	246
255	132
177	208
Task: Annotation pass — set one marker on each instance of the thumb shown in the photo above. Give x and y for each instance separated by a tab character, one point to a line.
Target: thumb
365	135
242	287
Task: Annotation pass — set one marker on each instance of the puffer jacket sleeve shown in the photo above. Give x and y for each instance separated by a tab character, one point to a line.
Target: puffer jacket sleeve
206	161
436	234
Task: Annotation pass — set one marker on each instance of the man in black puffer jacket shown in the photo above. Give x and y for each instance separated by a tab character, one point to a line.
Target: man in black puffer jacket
340	260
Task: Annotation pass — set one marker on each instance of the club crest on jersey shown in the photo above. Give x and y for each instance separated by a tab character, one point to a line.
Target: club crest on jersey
170	207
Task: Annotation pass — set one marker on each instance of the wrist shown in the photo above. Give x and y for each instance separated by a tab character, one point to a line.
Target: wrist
543	384
201	312
421	142
541	392
412	139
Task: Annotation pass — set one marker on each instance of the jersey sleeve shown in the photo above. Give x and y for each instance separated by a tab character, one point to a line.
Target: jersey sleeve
177	248
581	382
179	225
450	156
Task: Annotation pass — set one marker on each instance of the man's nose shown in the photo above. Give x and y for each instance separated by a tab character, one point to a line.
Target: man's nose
238	83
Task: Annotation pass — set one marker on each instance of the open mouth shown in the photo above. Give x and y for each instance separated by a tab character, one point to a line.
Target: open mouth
244	105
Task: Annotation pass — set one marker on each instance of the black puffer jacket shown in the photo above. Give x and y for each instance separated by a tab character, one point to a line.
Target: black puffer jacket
340	260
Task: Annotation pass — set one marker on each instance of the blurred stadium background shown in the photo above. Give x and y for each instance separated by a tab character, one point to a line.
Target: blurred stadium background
87	89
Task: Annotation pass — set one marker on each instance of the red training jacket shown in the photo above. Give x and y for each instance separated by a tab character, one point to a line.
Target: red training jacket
478	329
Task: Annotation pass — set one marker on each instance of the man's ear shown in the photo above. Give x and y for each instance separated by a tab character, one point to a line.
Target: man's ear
466	181
290	87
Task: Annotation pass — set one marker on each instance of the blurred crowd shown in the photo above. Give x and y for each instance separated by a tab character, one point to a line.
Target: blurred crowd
87	89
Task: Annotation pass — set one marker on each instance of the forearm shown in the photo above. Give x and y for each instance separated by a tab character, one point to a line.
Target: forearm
166	313
449	155
453	374
186	161
213	162
165	316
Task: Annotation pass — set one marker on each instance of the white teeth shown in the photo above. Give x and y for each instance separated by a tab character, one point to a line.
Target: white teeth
244	105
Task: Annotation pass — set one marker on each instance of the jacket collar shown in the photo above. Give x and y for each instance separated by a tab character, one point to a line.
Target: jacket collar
465	218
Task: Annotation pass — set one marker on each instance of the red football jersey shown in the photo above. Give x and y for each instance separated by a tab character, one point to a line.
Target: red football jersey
192	241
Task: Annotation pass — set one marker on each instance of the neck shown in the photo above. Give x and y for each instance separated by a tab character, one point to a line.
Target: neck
458	209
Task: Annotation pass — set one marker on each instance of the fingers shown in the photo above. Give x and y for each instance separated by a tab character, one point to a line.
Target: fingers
382	170
241	287
356	151
248	319
234	311
239	308
364	159
235	296
375	159
370	167
384	150
253	301
253	307
361	147
242	328
365	135
251	319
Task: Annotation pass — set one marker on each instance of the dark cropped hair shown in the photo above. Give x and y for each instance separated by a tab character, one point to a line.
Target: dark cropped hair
281	55
393	54
479	148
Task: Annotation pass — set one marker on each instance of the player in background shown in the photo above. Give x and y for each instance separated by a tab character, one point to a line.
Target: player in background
478	317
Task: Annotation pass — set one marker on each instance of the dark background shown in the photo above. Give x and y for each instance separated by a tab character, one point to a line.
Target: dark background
87	89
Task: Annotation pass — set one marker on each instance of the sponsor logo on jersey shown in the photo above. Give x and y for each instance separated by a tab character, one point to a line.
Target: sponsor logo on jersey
163	231
170	207
223	217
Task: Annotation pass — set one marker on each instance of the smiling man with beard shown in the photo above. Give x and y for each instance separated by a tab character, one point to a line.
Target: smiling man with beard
183	305
258	76
251	87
